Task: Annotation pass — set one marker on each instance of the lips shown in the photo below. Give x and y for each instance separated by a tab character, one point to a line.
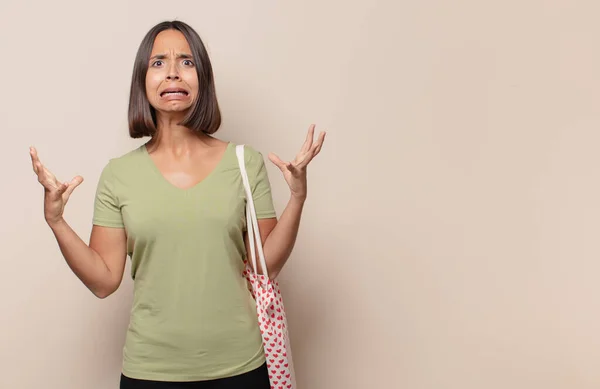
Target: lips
174	92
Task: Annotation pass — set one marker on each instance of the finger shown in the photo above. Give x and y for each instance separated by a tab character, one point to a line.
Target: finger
277	161
46	178
309	139
34	159
289	166
40	171
44	175
305	159
294	169
38	167
319	143
33	153
75	182
50	185
62	188
302	159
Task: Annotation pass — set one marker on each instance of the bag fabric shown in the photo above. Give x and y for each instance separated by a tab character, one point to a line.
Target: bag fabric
269	302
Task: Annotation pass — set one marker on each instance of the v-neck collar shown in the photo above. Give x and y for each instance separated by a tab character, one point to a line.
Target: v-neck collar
162	178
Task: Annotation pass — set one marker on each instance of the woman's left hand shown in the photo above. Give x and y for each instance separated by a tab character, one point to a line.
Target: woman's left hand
294	172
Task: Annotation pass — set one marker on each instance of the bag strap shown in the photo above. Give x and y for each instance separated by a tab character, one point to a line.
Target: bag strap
251	219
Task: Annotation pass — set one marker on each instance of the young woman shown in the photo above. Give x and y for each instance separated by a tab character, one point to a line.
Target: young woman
176	206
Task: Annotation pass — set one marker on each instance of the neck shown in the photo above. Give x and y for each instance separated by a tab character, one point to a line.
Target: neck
175	138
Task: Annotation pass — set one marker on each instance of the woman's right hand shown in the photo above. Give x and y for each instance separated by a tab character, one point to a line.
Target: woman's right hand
56	193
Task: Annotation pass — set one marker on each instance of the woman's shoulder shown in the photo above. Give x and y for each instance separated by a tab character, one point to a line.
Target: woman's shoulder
253	158
126	160
251	153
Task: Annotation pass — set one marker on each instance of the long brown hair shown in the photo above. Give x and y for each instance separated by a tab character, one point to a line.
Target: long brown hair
203	116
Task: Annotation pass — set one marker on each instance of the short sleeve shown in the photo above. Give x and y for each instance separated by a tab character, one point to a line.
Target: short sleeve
259	184
107	212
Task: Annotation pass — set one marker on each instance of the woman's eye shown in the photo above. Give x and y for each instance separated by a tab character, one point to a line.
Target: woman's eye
187	62
157	63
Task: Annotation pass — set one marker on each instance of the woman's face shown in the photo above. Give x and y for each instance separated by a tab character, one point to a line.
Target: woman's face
171	80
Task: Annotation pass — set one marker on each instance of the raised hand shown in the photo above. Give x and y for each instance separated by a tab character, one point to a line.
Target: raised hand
56	193
294	171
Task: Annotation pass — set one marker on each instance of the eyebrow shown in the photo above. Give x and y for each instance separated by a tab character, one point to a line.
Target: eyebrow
164	56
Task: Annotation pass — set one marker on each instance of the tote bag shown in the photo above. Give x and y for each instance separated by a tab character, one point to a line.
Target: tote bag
269	302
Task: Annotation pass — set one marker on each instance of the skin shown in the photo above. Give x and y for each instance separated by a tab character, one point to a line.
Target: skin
184	158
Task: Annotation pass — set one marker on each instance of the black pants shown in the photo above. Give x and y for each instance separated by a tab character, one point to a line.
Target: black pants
255	379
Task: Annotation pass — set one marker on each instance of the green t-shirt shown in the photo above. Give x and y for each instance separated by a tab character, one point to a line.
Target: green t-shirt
193	317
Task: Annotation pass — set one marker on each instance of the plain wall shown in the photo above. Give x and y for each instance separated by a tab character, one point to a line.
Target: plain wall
450	239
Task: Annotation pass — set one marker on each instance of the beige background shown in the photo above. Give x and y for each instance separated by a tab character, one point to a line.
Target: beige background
451	234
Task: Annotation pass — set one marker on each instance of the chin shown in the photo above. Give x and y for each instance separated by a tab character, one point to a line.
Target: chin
173	107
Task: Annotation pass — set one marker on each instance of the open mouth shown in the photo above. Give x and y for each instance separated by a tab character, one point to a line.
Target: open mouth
174	92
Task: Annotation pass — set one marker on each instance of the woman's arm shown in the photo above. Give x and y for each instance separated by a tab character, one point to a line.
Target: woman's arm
100	265
279	237
280	242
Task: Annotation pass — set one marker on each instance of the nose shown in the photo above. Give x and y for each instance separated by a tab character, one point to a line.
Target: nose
173	72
